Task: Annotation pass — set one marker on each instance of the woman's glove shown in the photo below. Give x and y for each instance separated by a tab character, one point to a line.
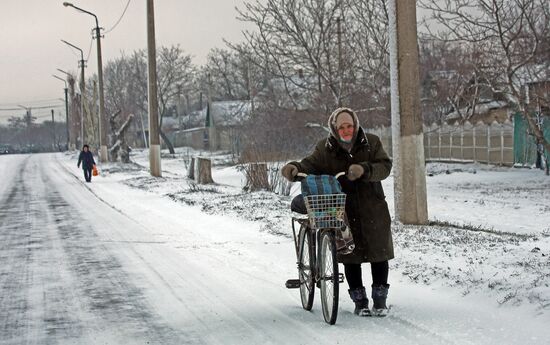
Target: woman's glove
355	171
289	172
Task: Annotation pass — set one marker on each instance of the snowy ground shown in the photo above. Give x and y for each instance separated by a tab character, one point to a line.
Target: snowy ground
135	259
490	227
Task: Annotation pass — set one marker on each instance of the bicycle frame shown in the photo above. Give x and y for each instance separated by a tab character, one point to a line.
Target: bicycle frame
315	240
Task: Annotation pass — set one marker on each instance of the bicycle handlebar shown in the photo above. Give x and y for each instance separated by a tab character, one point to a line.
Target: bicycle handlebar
338	175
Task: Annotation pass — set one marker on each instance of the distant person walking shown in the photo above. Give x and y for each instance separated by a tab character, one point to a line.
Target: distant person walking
87	159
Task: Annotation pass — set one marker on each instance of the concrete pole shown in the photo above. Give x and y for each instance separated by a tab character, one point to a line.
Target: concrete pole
154	139
53	129
212	135
103	155
408	140
66	107
82	98
67	117
74	115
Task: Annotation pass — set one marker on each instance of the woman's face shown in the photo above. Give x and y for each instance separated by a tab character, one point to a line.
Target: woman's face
345	131
85	149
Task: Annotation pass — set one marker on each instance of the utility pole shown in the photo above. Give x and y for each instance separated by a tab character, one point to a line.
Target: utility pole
103	156
74	114
82	64
102	118
210	124
82	98
66	108
53	129
67	116
408	139
154	140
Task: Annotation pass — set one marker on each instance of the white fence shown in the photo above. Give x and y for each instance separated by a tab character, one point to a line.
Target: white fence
492	144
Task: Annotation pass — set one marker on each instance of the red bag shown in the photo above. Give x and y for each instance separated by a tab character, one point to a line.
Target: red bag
95	172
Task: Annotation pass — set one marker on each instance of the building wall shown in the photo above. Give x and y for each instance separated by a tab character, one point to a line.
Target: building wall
226	138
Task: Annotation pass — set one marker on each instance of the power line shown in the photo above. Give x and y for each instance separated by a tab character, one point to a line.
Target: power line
28	102
119	19
90	49
31	107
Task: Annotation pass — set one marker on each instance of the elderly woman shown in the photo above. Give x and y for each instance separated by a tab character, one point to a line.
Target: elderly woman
348	148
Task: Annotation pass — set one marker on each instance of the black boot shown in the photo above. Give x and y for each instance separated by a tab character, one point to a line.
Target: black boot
359	297
379	296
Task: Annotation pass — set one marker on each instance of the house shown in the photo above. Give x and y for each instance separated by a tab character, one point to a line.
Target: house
486	111
216	127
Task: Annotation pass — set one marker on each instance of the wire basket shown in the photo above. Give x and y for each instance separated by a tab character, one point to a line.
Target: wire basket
326	210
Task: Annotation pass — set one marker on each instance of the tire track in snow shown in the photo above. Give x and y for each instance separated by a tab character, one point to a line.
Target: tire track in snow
33	304
14	239
58	282
105	286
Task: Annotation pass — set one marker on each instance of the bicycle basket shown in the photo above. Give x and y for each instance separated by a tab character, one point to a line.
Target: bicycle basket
326	210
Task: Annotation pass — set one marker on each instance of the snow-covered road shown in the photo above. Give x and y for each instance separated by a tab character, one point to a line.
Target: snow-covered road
103	263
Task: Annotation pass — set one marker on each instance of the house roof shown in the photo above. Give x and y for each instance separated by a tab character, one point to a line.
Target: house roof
223	113
482	108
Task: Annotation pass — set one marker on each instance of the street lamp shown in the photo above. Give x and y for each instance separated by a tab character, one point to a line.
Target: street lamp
66	107
102	118
82	89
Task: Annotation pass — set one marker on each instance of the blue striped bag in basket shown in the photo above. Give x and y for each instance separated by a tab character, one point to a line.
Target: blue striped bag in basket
325	201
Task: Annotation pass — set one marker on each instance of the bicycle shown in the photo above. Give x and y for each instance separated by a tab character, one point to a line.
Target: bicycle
316	249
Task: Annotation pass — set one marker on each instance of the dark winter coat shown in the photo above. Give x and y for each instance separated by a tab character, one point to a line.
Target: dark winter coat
366	206
87	160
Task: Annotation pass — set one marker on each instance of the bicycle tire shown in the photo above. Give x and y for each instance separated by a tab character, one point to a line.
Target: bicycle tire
305	268
328	277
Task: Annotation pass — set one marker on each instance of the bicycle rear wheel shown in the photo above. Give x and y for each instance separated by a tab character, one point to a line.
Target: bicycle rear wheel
329	277
305	267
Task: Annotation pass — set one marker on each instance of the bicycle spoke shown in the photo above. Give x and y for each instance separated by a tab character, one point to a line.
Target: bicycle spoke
305	272
328	280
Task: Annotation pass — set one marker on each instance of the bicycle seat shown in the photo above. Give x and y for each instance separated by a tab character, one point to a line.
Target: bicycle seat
298	204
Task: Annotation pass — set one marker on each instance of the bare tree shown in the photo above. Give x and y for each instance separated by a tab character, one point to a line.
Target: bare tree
297	38
228	81
508	35
120	145
122	98
450	81
325	53
175	71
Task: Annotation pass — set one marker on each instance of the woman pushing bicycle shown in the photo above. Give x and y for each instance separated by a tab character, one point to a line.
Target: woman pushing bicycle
348	148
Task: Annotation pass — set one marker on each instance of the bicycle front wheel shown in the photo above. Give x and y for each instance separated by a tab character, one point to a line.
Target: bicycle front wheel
305	268
328	277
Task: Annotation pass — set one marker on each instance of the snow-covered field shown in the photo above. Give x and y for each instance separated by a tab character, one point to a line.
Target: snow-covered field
490	231
163	260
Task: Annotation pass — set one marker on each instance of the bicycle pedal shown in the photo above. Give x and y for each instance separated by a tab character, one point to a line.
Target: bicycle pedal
293	284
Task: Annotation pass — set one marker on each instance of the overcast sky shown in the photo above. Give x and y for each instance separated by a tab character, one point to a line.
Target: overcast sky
31	31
